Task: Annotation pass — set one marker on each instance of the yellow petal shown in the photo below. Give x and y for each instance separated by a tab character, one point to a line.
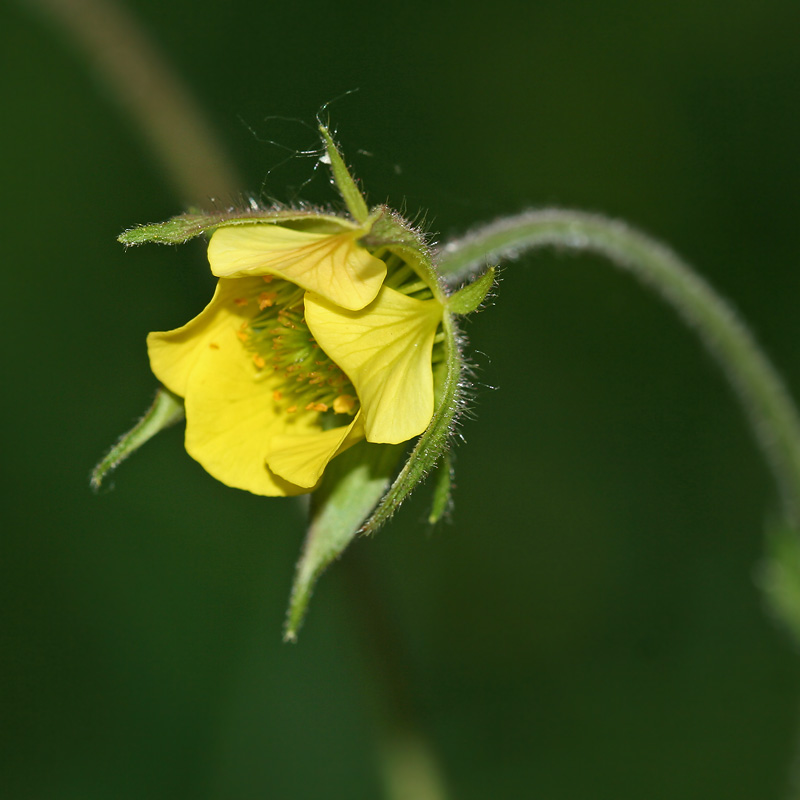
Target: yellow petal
334	266
385	351
232	417
173	354
231	414
302	458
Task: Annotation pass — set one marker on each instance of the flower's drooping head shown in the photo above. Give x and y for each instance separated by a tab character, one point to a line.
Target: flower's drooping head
313	340
326	332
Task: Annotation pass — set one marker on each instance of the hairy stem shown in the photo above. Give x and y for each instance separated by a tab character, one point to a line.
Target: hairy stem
768	406
142	82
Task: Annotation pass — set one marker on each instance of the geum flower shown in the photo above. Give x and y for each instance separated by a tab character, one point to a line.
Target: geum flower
312	342
324	332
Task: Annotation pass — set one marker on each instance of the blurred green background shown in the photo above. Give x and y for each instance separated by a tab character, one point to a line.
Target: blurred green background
589	625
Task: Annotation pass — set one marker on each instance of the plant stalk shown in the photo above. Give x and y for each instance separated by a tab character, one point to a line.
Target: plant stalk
768	406
410	769
147	88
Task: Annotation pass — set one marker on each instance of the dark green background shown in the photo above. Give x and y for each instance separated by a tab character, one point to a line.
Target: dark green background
589	625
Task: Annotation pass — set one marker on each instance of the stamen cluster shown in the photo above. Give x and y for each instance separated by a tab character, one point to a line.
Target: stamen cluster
280	342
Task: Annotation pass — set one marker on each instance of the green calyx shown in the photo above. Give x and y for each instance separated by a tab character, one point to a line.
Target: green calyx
347	187
469	297
182	228
364	485
357	495
166	410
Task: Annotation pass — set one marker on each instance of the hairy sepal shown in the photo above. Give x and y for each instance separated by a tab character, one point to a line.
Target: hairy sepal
434	442
166	410
392	231
442	489
187	226
353	498
347	187
468	298
351	487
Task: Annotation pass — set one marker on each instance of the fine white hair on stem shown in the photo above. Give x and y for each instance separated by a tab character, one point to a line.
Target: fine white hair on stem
763	395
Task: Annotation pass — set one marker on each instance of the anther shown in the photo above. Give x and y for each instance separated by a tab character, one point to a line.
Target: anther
344	404
267	299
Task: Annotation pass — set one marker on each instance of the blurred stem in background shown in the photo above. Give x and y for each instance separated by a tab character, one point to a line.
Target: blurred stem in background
142	82
409	770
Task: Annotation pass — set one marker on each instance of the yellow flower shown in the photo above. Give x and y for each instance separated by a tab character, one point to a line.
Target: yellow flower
310	343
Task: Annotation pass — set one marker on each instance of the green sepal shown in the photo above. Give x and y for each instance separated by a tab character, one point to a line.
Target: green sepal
166	410
355	483
352	485
347	187
779	576
391	231
187	226
469	297
194	223
434	442
442	489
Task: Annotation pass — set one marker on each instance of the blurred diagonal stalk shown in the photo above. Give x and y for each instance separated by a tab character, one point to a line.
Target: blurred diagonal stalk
143	83
410	769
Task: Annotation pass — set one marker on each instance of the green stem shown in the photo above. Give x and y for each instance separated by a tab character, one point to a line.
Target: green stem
767	404
143	83
410	769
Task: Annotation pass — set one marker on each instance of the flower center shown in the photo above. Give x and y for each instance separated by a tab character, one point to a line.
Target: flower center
282	347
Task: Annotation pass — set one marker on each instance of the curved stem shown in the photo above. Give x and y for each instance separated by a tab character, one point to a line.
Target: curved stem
767	403
146	86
